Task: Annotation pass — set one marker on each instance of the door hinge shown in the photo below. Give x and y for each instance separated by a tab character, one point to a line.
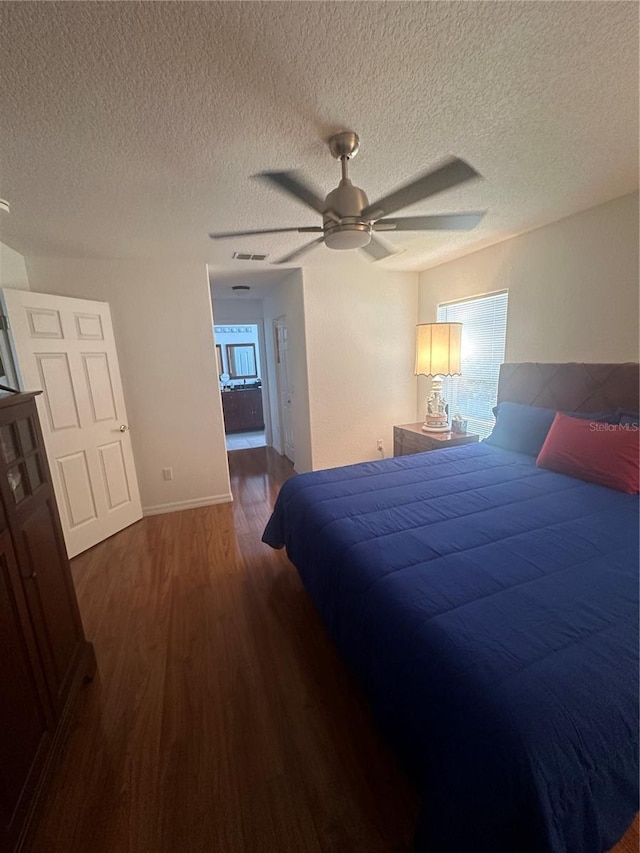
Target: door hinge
4	323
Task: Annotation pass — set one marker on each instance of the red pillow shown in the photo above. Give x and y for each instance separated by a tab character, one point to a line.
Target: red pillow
606	454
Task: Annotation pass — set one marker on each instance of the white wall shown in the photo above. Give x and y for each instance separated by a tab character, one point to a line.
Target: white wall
360	327
573	286
164	333
227	312
287	299
573	296
13	269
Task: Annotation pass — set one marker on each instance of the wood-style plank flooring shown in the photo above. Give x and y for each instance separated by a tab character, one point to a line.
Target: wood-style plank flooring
221	719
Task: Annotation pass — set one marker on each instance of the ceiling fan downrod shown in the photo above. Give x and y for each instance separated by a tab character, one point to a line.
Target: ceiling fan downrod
350	231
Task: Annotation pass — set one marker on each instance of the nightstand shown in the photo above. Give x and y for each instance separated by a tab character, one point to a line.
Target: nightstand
409	438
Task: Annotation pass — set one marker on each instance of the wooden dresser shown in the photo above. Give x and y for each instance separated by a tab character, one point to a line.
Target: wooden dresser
243	410
44	656
410	438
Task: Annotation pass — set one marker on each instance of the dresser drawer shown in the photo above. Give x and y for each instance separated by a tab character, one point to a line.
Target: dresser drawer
405	443
410	439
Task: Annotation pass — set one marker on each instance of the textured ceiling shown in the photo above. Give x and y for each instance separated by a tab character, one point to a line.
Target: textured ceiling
132	129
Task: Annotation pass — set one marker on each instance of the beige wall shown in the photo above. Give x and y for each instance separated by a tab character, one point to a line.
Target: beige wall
573	287
287	299
13	269
573	295
163	327
360	322
227	312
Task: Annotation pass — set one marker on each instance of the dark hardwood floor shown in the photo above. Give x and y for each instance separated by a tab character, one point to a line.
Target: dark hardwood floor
221	719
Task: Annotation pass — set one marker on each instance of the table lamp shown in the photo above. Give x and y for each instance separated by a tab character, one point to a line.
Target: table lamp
437	355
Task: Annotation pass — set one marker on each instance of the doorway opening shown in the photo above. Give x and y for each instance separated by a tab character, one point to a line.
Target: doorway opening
270	307
241	372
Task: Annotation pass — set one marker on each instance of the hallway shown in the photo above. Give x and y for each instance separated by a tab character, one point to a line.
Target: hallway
245	440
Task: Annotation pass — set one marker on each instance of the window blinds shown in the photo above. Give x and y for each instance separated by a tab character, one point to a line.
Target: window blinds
484	329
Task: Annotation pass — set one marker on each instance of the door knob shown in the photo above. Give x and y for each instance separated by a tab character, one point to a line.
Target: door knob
123	428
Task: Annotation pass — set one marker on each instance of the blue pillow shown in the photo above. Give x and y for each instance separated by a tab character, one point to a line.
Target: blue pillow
521	428
524	428
628	418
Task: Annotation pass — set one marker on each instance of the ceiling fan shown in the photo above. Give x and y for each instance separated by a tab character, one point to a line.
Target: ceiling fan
348	220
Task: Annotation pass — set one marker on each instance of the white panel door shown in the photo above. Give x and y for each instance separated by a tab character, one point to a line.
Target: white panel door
285	391
65	347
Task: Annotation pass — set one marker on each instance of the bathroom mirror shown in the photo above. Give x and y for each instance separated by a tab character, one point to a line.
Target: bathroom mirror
241	359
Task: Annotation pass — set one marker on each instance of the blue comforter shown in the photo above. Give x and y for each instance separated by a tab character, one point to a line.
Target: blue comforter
490	609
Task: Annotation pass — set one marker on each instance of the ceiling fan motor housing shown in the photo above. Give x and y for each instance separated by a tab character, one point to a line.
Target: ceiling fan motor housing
348	219
352	231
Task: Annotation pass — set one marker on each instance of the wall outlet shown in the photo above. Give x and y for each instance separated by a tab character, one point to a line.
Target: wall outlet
380	444
167	473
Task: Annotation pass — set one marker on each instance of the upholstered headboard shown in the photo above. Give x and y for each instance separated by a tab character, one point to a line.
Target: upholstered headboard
571	387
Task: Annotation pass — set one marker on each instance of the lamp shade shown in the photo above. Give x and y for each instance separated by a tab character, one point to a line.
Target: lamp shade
438	349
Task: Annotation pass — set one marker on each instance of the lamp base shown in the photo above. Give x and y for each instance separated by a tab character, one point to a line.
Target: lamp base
435	424
436	418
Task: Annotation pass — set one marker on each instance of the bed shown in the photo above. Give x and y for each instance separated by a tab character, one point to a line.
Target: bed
490	610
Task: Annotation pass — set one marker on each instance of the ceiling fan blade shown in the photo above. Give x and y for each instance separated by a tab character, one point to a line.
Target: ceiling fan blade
444	222
452	173
301	251
377	249
307	230
292	184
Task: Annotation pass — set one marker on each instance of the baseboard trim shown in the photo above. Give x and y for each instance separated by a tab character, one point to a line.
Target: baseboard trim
177	506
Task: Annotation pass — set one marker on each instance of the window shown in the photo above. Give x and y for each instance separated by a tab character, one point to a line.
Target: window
484	329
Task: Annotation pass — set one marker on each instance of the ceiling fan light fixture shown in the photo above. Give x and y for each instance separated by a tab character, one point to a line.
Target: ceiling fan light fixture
348	236
349	221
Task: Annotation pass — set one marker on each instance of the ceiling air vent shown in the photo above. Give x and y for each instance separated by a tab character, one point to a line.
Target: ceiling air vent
246	256
240	287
